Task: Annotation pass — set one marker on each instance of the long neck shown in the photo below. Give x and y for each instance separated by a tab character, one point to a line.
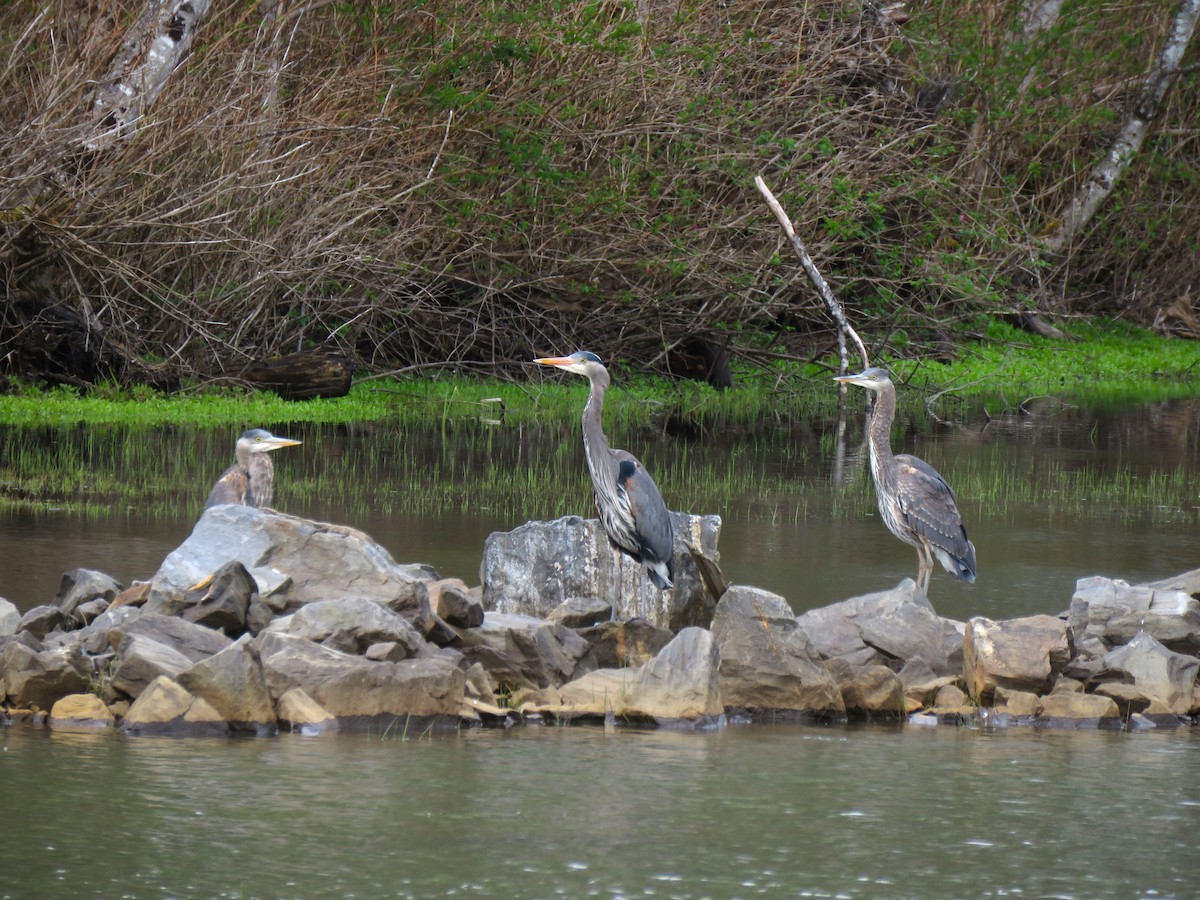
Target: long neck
262	479
595	444
879	433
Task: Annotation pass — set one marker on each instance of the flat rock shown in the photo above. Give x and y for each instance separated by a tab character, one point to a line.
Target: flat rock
363	623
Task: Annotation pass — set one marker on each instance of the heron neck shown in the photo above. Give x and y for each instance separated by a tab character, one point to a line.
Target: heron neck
242	452
880	432
595	444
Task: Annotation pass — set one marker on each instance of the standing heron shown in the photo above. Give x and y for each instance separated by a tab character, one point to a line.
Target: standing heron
916	503
251	481
631	507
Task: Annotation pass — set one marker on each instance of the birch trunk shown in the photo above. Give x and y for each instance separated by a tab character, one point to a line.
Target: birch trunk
1105	175
152	50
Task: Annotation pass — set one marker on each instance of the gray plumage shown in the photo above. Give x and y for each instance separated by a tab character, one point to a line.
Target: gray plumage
630	505
251	481
916	503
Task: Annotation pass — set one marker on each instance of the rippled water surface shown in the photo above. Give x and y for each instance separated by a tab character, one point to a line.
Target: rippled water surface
870	811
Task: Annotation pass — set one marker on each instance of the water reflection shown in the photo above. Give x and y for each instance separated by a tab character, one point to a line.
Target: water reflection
1048	497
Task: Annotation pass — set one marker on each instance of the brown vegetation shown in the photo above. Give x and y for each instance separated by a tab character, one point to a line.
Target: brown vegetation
477	184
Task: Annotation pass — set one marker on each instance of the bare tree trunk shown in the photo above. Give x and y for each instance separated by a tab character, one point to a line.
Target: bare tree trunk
151	51
1105	175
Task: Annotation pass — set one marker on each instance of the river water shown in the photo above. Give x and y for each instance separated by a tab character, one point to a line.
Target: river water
850	811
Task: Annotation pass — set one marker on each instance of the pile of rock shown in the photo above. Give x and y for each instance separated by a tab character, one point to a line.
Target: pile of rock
262	621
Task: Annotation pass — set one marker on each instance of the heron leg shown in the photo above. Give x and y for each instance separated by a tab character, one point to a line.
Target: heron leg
924	567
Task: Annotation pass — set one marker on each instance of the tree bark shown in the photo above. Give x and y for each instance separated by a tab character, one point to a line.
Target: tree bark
151	51
1108	171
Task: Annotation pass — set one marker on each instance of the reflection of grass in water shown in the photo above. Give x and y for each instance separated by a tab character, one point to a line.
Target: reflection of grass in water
459	464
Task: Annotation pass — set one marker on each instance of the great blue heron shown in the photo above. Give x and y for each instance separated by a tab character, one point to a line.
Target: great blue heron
631	507
250	482
916	503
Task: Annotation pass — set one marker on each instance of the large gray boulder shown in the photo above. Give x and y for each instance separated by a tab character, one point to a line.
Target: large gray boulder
1025	654
317	561
768	664
532	569
889	628
1157	672
196	642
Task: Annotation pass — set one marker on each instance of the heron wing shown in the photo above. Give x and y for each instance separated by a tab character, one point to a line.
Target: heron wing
231	487
930	509
652	521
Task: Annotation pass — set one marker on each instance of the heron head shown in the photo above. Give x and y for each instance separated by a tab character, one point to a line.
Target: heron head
259	440
580	362
873	379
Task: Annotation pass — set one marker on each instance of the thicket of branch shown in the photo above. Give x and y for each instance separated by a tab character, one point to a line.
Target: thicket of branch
474	183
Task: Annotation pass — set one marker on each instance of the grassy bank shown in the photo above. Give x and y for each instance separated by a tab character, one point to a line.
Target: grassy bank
1109	365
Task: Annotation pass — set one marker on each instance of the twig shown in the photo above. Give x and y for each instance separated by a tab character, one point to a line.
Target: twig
831	302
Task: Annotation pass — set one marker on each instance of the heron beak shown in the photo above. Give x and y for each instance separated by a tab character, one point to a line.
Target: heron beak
555	361
847	379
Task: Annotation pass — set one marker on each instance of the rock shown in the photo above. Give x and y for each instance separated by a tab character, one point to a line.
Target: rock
1023	654
10	618
920	682
767	662
39	678
86	613
950	700
597	693
1129	698
455	603
300	712
523	650
315	560
1157	672
836	630
1074	708
621	645
104	633
80	712
362	622
581	612
140	660
224	602
911	630
134	595
681	683
1017	703
1107	612
232	682
358	691
42	620
534	568
869	689
196	642
81	586
165	707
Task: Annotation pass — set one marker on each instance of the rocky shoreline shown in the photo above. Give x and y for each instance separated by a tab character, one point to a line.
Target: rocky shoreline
262	622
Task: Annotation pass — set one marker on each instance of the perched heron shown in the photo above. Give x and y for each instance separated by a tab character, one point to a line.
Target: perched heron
916	503
250	482
631	507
